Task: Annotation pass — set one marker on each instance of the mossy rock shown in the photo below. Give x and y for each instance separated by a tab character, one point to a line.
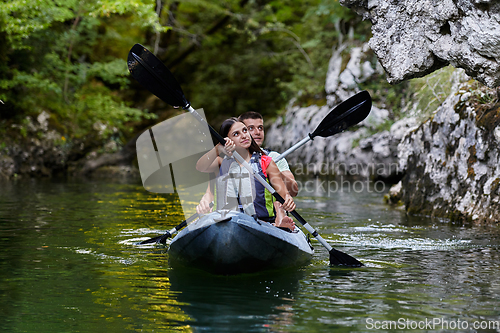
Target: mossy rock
488	117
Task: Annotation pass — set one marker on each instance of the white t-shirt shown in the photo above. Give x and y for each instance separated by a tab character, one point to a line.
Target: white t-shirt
281	164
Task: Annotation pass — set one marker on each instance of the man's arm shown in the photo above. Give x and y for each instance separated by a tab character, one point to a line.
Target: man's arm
286	175
290	183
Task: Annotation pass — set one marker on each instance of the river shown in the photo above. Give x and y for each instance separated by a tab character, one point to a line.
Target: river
69	263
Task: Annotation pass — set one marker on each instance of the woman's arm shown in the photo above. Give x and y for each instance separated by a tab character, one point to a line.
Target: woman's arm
204	205
210	161
277	183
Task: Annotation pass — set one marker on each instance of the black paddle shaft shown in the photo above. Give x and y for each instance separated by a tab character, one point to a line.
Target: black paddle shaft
163	238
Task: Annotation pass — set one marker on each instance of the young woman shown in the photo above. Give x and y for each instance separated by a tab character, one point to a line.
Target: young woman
239	139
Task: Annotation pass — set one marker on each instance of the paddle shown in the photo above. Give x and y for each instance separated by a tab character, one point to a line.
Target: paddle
155	76
163	238
348	113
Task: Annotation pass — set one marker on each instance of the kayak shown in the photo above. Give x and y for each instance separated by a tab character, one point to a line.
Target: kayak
237	243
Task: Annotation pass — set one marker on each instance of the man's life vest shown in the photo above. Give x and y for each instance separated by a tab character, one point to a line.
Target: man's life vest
237	189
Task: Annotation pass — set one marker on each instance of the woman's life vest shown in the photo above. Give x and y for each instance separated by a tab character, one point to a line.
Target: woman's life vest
237	189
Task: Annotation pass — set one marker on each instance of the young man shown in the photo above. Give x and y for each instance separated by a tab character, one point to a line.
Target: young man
255	123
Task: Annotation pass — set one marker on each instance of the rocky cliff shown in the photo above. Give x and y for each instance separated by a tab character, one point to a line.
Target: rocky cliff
412	38
44	152
40	152
448	158
367	151
452	160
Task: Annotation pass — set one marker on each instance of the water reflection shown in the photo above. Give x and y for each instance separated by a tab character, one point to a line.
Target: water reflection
237	303
69	262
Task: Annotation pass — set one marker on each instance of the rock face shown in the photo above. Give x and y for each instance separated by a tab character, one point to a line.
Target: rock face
449	163
412	38
42	152
359	153
352	153
452	161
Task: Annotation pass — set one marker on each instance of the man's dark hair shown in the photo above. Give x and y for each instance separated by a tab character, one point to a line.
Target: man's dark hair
250	115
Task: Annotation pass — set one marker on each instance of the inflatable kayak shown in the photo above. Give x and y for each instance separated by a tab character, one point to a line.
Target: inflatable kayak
237	243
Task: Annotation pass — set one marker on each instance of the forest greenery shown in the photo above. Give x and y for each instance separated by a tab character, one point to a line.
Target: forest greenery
65	58
430	91
68	58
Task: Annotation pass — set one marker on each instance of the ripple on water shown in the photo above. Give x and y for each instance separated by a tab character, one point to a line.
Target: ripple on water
379	240
84	236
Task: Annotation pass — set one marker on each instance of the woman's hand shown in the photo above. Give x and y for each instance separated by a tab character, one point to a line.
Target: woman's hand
289	205
229	147
203	207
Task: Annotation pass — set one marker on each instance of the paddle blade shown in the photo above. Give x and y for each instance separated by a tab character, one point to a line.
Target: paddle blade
146	68
151	240
348	113
163	239
338	258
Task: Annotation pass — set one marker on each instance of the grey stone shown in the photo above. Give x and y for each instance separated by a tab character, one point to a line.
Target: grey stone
352	153
452	161
413	38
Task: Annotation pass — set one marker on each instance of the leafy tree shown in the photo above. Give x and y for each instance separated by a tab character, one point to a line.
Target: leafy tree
236	55
67	57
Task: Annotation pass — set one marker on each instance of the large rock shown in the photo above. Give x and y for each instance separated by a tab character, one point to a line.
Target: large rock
452	161
352	153
44	152
412	38
358	153
40	152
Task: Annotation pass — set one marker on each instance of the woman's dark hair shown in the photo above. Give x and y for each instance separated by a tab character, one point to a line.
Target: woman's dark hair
224	131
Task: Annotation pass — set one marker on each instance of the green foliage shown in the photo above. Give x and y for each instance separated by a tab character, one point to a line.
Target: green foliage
430	91
21	19
482	95
68	57
95	107
253	55
113	72
53	61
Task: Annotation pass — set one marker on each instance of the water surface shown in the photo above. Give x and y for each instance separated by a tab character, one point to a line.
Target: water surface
69	263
